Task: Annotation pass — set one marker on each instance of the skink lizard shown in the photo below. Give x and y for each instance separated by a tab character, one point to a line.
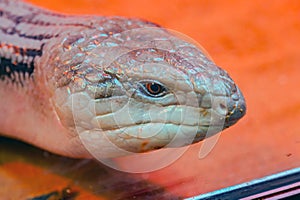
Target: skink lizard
76	84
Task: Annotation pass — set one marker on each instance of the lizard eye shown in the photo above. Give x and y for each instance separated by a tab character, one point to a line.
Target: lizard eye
153	89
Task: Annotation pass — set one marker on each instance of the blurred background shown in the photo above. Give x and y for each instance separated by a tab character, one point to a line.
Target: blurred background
257	42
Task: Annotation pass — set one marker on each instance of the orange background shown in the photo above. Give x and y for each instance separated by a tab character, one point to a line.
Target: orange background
257	42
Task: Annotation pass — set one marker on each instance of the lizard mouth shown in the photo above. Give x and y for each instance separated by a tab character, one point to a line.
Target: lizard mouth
235	115
236	110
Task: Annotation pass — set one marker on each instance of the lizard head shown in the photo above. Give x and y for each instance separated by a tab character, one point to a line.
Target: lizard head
140	90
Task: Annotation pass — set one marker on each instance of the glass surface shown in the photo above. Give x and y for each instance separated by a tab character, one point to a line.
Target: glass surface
257	42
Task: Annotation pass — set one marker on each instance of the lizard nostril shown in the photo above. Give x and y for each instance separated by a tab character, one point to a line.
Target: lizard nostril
236	113
223	107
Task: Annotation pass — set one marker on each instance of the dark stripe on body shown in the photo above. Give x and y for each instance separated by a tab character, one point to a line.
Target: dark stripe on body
9	69
15	71
22	35
29	20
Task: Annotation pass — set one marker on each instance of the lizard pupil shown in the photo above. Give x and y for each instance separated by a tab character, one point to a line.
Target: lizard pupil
154	88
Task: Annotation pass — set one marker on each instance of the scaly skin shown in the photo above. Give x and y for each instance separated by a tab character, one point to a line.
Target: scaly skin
107	86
